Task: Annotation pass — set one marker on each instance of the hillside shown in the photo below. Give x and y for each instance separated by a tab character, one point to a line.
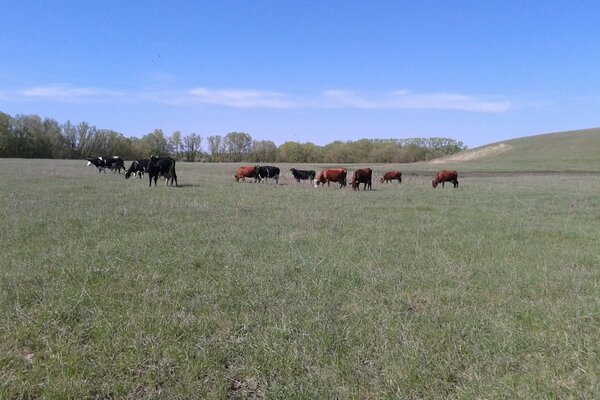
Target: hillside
570	151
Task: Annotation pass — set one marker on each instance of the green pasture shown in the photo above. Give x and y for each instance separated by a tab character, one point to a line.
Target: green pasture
217	289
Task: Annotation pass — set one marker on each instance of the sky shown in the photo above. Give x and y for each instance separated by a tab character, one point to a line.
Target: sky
306	71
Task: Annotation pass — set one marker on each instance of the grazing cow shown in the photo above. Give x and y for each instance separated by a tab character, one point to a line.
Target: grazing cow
246	172
164	167
332	175
138	168
363	175
115	164
390	176
98	162
268	171
445	176
303	175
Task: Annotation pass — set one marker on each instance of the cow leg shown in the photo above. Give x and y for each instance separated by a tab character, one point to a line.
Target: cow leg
277	179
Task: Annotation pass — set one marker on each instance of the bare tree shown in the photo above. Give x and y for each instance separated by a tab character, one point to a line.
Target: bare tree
191	146
216	147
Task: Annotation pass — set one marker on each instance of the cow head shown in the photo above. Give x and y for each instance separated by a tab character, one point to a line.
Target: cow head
434	183
237	178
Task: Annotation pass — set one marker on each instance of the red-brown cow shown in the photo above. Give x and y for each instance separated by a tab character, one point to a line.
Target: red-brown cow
390	176
363	175
445	176
246	172
332	175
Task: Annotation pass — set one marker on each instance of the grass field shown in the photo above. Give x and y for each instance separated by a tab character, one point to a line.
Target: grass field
111	289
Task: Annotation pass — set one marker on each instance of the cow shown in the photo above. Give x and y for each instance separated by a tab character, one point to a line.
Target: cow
268	171
115	164
332	175
98	162
390	176
137	167
445	176
303	175
246	172
163	167
363	175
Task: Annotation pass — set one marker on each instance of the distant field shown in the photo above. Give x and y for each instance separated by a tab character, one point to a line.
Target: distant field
111	289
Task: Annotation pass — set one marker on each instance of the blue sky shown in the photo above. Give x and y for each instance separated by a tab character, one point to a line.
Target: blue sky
318	71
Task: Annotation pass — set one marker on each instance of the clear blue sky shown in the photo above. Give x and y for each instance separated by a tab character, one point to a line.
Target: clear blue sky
318	71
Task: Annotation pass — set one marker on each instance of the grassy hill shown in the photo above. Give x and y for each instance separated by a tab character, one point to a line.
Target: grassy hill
570	151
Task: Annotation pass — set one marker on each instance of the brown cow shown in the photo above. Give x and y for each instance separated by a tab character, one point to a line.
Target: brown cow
332	175
390	176
445	176
246	172
363	175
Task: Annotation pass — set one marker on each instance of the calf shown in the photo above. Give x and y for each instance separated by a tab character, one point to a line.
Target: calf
303	175
164	167
246	172
445	176
268	172
363	175
390	176
332	175
138	168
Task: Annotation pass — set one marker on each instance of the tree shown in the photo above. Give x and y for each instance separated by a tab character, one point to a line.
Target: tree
5	134
337	152
216	147
263	151
191	146
155	144
299	152
58	147
175	145
237	144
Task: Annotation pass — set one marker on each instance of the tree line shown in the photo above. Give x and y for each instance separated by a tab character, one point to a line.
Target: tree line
29	136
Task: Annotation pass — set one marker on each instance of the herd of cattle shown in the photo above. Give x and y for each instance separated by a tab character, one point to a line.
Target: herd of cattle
165	167
337	175
154	167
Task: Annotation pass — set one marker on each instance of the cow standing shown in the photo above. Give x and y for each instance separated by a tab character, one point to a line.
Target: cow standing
115	164
98	162
163	167
390	176
445	176
332	175
137	167
246	172
363	175
268	171
303	175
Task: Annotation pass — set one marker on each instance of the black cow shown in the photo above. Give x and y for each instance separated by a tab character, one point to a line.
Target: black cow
138	168
115	164
98	162
303	175
268	172
164	167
